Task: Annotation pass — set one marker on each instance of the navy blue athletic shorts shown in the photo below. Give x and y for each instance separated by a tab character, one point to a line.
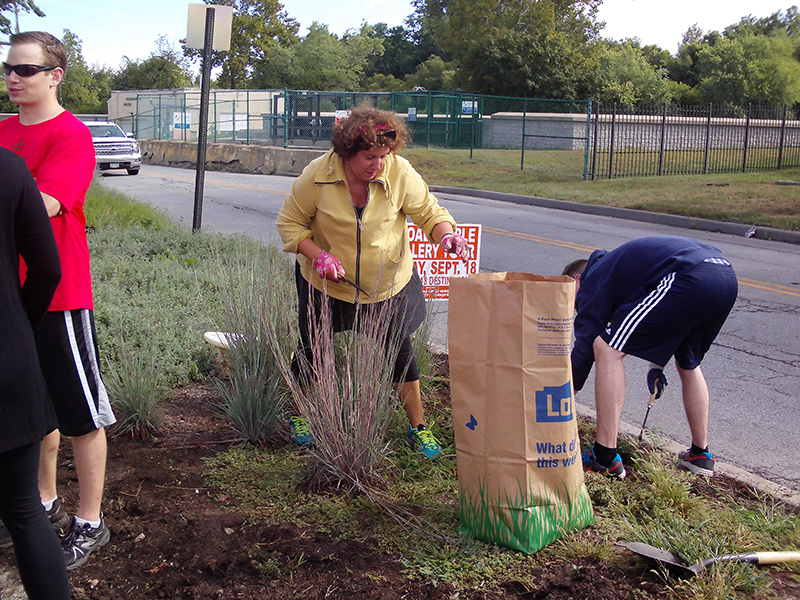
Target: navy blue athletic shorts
65	342
680	318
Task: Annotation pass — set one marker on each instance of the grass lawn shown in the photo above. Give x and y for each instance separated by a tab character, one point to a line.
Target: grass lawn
753	198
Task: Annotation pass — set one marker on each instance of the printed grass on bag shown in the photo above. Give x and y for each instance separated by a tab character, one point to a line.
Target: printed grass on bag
527	521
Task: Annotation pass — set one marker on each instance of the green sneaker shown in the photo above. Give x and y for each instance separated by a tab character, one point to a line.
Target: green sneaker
423	439
300	433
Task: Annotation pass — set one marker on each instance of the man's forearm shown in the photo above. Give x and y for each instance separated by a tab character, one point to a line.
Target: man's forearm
52	205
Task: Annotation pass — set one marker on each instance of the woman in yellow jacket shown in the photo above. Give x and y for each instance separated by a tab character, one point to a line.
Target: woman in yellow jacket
346	218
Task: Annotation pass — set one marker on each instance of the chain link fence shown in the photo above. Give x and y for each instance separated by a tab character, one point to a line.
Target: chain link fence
292	118
613	142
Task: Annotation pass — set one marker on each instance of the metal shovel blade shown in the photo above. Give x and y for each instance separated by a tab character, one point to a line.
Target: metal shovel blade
668	559
675	562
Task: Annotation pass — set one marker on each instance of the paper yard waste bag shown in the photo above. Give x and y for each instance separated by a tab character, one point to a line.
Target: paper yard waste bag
519	466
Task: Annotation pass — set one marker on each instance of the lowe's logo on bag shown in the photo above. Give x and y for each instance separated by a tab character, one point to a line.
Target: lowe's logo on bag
554	404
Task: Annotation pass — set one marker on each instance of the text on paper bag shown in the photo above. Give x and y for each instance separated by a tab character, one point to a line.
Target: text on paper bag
554	404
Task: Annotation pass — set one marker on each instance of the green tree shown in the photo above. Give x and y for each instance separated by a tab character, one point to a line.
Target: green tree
153	73
627	78
322	61
82	90
384	83
543	49
164	69
780	22
684	67
260	28
752	68
14	7
657	56
433	74
402	52
5	104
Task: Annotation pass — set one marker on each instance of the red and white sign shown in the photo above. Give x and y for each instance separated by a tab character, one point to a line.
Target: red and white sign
436	267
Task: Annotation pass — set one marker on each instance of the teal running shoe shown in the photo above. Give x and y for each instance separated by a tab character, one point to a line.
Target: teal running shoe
423	439
300	432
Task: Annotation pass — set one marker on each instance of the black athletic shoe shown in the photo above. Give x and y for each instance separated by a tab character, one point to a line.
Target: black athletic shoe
590	465
699	464
80	541
58	519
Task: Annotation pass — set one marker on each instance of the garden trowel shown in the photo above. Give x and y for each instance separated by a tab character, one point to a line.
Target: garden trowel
675	562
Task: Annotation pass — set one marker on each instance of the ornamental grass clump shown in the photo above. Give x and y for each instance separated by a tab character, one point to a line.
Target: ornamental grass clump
348	397
136	392
255	285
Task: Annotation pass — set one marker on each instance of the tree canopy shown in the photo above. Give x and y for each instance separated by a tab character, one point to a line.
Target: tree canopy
550	49
260	28
322	61
83	90
542	49
627	78
165	68
14	7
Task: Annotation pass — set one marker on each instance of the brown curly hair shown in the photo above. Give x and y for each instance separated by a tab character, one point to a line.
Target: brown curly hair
366	128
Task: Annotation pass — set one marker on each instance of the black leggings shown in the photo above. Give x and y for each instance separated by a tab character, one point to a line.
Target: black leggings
405	367
39	556
343	317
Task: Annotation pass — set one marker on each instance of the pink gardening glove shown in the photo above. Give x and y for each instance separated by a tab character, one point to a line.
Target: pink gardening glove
328	266
456	244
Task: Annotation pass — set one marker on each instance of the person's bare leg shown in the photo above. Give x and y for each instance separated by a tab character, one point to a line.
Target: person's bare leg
696	404
48	464
90	465
411	397
609	391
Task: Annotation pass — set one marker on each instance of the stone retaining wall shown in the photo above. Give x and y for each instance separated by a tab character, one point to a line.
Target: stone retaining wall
267	160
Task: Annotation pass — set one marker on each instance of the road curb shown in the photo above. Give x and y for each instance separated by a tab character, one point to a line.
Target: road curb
740	229
780	492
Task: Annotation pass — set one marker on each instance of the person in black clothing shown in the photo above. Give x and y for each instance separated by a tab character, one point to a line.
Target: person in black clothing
654	298
26	414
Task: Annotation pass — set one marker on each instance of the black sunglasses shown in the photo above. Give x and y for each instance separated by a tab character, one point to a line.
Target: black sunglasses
390	134
25	70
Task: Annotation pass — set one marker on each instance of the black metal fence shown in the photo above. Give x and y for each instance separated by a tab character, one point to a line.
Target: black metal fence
670	140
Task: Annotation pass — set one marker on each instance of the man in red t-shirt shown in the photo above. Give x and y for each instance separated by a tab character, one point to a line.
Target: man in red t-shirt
58	150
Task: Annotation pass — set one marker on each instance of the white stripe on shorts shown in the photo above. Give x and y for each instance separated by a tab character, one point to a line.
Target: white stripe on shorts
102	414
639	312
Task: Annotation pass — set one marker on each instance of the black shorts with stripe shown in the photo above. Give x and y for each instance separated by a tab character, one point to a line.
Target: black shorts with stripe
681	317
65	341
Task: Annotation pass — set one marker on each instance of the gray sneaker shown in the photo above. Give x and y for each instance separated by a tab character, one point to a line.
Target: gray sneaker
79	542
58	519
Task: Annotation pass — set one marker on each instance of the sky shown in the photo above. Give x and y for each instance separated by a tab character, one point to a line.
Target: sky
113	29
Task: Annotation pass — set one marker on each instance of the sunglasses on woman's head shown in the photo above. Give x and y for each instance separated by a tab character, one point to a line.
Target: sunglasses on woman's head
25	70
390	134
